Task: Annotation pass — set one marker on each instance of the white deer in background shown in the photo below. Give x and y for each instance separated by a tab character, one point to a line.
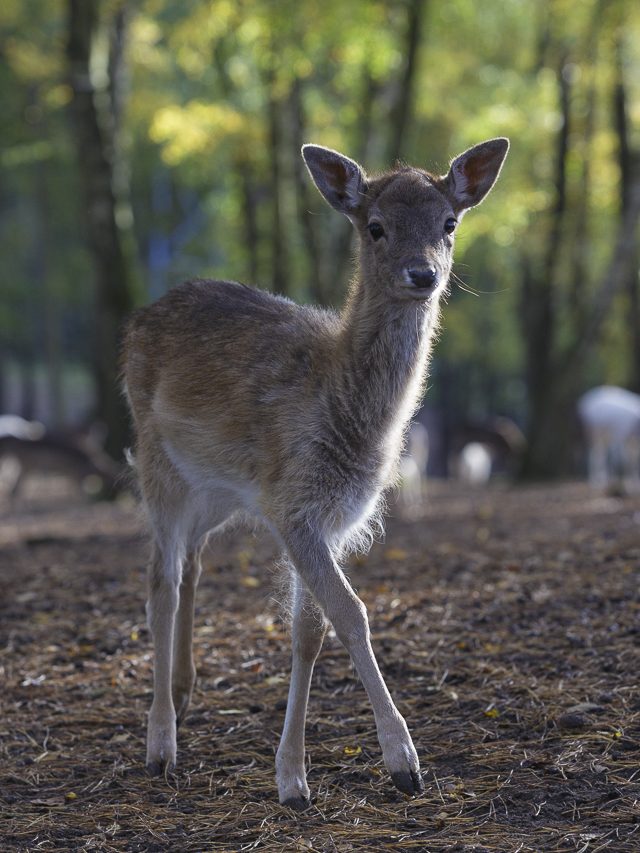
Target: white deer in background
610	417
246	403
413	469
474	464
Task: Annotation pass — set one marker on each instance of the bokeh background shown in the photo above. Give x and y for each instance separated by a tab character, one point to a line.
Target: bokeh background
145	143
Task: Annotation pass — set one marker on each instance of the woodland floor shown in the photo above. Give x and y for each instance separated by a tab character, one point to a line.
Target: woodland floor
507	625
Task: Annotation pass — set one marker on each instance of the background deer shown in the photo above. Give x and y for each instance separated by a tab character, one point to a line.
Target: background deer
610	418
26	448
412	469
245	402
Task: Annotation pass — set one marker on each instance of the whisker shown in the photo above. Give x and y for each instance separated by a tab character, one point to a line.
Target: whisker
466	290
464	286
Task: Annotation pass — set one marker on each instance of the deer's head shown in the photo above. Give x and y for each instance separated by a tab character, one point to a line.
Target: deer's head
406	218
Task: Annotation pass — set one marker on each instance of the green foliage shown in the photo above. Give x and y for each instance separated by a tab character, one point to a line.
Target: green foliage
207	84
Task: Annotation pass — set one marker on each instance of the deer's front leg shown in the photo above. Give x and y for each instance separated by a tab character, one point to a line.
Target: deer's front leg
307	632
348	616
162	604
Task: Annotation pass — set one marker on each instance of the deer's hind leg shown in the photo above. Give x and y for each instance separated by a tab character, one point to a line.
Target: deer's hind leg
180	534
307	633
183	674
164	576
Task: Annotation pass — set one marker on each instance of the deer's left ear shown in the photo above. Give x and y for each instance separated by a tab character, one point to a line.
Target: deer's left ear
474	172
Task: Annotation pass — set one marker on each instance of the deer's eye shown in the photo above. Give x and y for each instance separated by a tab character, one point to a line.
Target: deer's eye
450	225
376	230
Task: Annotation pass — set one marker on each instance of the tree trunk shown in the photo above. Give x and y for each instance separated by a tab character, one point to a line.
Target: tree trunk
538	316
550	455
629	164
401	113
28	389
95	116
250	214
245	171
580	243
343	241
50	304
317	288
279	260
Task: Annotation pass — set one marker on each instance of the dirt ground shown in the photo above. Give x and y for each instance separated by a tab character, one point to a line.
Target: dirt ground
506	623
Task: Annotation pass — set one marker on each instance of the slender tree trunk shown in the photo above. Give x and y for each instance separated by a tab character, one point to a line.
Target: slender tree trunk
50	305
279	259
343	243
367	139
629	164
245	172
46	343
581	244
28	389
544	454
4	365
96	117
250	213
317	285
401	114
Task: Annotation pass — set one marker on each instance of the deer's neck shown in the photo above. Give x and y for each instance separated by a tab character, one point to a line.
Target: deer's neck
383	356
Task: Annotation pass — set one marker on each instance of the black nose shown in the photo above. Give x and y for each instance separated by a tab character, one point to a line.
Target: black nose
423	278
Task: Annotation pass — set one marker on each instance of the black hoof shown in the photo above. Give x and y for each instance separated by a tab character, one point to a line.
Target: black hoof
298	804
158	768
408	782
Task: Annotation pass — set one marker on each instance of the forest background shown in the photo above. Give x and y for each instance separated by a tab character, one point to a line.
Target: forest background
145	143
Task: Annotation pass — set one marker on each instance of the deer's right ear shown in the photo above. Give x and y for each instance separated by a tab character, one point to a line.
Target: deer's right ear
340	180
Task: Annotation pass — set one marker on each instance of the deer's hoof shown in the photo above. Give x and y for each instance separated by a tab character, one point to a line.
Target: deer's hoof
159	768
298	804
161	741
409	782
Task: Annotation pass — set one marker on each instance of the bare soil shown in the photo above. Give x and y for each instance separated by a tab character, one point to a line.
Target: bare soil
506	622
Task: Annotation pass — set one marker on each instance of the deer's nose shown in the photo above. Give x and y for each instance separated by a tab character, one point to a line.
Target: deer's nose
424	277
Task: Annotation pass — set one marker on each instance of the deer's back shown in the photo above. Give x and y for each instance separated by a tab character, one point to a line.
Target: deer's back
226	374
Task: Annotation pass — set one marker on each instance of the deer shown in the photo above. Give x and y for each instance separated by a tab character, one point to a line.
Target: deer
412	469
474	464
246	404
31	449
610	418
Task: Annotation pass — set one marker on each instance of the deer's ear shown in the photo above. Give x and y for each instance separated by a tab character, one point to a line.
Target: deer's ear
340	180
474	172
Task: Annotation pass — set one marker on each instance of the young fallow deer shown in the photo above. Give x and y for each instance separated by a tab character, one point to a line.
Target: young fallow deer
246	403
